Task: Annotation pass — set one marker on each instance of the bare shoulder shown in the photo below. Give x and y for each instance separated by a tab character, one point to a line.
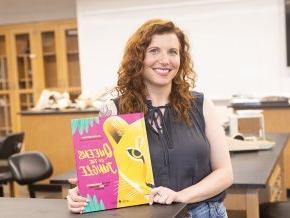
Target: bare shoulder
210	113
208	106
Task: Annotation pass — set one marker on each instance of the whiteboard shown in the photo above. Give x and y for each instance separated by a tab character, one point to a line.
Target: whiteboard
238	46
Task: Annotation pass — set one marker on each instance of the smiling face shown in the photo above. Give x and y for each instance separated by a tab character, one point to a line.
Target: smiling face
162	61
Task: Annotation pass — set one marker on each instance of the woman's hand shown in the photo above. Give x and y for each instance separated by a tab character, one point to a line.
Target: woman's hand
163	195
75	202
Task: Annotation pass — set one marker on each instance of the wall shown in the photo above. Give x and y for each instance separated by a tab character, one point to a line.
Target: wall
238	46
17	11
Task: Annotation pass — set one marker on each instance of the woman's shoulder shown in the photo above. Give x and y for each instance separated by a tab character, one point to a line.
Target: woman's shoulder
198	98
198	95
202	103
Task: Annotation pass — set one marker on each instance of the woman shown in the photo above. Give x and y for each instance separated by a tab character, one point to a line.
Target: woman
190	158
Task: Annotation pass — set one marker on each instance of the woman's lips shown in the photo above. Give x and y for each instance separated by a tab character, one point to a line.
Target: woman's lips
162	71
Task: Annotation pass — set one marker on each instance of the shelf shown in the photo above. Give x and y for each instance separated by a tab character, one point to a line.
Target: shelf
74	89
4	104
25	91
4	92
27	104
24	86
57	89
5	128
4	95
23	56
7	105
25	80
73	52
49	54
4	84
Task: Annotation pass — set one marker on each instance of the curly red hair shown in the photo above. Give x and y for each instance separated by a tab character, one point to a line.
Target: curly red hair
130	85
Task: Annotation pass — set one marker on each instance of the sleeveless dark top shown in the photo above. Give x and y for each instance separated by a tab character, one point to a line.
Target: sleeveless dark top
180	154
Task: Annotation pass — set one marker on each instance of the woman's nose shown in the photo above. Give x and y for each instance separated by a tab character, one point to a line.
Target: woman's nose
164	59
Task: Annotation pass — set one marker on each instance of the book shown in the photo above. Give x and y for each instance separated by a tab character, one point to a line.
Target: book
113	162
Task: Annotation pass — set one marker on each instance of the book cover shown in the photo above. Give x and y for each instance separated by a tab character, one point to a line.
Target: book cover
112	161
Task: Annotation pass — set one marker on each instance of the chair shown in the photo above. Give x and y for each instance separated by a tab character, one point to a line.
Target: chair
30	167
275	209
10	145
5	177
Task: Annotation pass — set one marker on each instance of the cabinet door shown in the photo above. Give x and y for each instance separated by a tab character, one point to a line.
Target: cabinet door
69	56
5	108
25	66
72	53
49	58
4	82
73	65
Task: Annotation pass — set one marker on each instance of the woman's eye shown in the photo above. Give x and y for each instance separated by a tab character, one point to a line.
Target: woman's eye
153	51
173	52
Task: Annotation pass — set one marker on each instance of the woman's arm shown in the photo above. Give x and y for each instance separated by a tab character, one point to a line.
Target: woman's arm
221	176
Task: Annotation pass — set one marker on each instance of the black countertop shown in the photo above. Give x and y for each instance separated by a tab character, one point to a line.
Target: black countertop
254	168
57	208
259	105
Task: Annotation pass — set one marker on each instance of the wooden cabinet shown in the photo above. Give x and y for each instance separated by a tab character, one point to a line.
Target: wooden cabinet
34	57
276	184
258	178
277	120
52	135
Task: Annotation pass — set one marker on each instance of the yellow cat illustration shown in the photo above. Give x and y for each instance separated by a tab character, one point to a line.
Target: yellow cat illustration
131	152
